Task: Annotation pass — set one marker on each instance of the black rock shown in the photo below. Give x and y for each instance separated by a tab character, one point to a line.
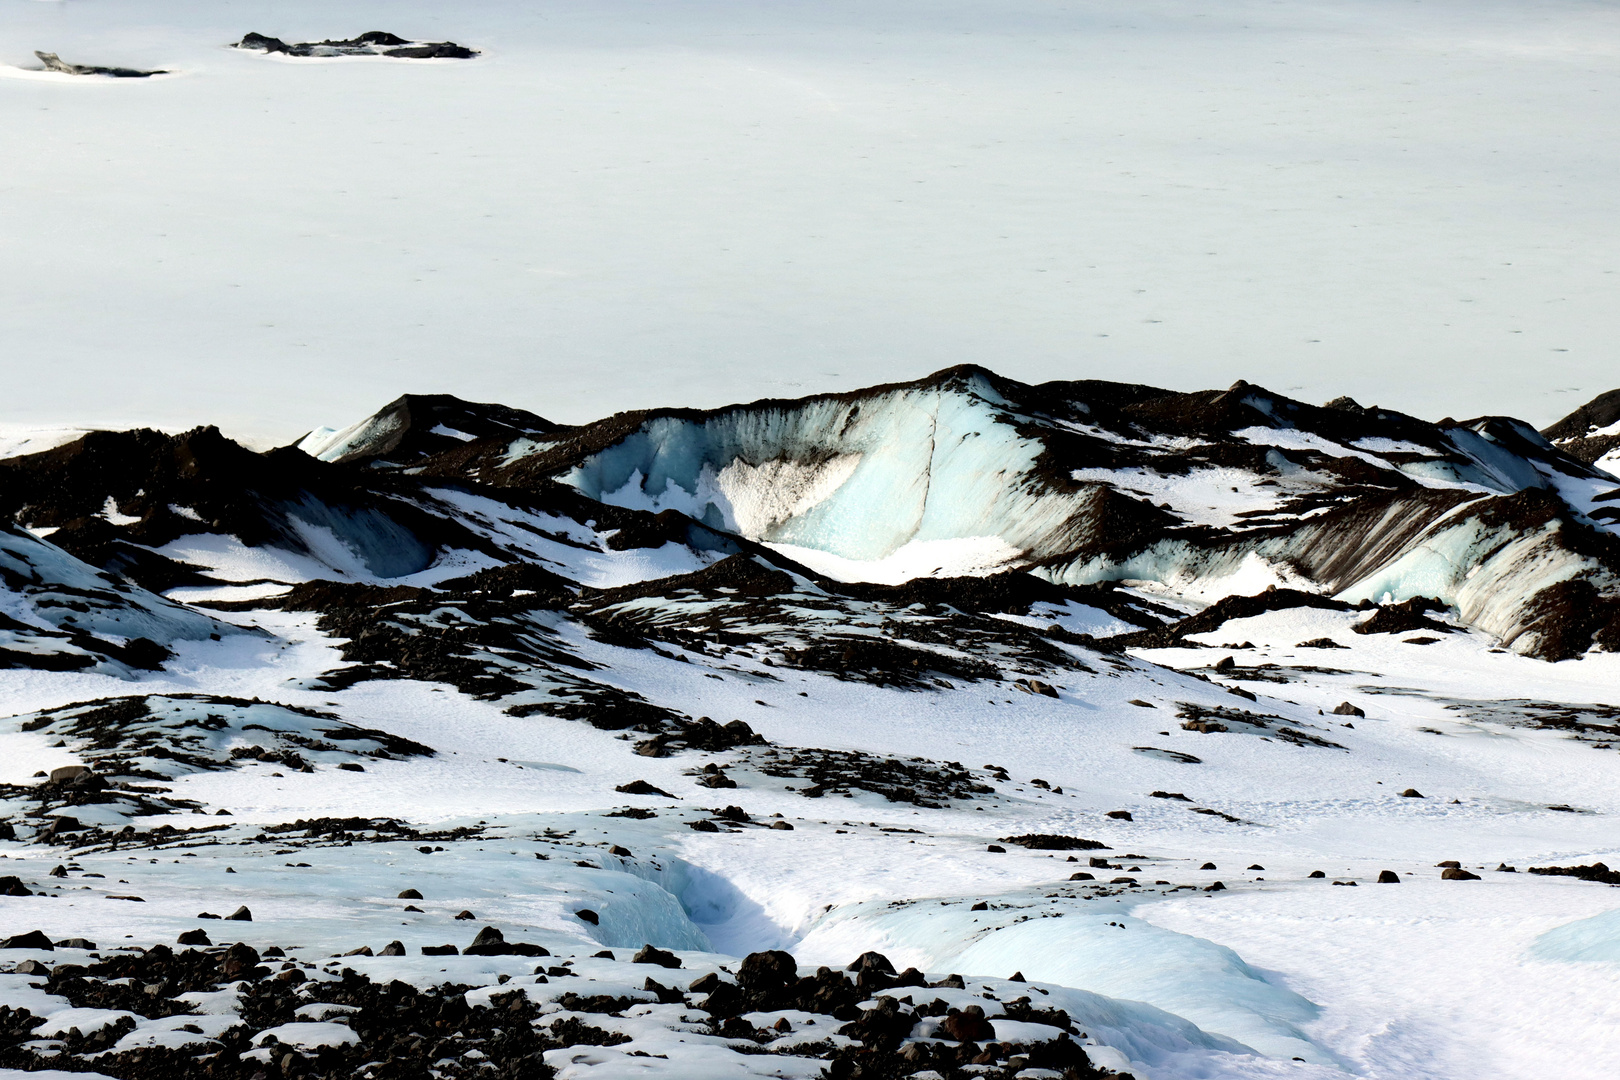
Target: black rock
872	961
769	970
55	63
650	954
34	939
239	961
967	1025
641	787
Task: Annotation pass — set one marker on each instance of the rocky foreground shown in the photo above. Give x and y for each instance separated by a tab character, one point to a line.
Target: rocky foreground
213	1011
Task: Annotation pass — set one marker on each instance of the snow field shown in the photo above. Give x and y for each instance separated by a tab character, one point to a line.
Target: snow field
826	893
1404	202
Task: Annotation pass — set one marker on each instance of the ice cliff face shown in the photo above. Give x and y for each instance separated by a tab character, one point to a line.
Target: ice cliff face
1193	495
1202	494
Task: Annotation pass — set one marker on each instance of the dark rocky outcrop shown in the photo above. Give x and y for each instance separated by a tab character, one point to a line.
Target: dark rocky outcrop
373	43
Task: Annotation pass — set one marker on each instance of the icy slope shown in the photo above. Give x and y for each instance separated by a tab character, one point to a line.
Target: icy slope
1203	494
57	613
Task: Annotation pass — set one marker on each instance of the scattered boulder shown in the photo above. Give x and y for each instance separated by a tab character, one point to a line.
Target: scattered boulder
996	848
1036	686
1209	866
641	787
1404	617
1344	708
1411	793
1455	873
1216	887
34	939
393	948
1316	874
55	63
464	916
1597	871
241	914
1388	877
782	826
439	950
1120	815
650	954
11	885
239	961
61	825
491	942
193	937
968	1025
1053	842
1320	643
704	984
871	961
410	894
587	915
770	969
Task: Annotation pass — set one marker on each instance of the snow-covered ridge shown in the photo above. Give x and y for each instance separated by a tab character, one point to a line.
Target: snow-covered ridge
966	472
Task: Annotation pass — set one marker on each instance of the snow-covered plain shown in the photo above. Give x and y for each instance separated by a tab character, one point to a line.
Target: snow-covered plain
636	202
628	204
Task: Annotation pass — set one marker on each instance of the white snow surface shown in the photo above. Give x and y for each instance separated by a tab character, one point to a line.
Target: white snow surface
1510	976
633	203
